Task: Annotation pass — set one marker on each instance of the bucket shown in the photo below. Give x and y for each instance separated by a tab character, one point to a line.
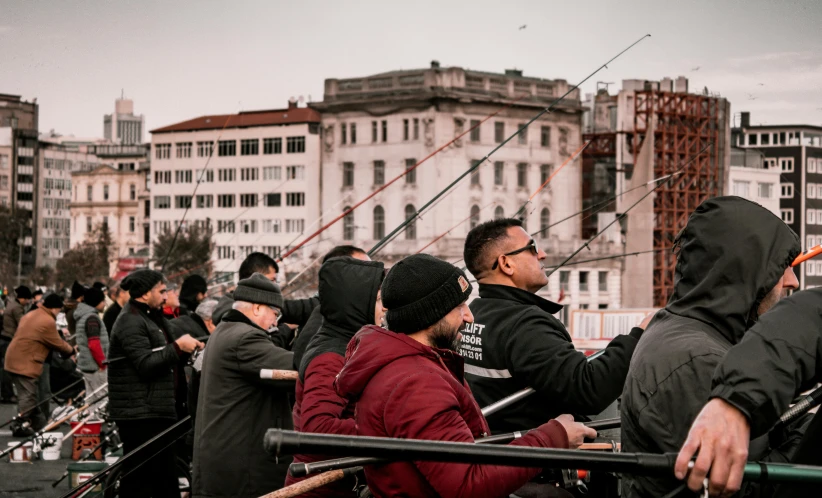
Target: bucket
51	443
80	472
91	427
114	456
86	438
22	454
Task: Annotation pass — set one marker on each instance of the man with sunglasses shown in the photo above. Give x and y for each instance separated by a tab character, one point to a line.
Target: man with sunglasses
236	406
515	341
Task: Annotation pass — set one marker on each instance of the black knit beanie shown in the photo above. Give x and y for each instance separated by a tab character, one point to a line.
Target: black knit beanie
52	302
193	285
77	290
420	290
259	290
22	292
93	297
138	282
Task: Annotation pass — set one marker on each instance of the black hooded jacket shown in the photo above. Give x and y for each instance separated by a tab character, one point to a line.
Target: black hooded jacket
731	254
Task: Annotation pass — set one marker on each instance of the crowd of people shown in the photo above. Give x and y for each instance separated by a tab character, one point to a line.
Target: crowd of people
401	353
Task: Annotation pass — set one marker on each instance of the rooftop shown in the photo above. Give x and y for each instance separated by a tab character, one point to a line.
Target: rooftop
246	119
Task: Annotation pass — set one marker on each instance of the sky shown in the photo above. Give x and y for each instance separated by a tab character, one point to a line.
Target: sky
179	60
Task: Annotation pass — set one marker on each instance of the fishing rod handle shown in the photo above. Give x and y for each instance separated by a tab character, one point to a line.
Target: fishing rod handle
269	374
604	424
801	407
313	483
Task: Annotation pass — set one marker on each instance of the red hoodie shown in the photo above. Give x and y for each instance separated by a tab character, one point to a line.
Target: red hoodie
423	395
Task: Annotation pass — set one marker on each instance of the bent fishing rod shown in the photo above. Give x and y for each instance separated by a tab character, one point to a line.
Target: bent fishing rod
109	361
27	412
380	244
621	216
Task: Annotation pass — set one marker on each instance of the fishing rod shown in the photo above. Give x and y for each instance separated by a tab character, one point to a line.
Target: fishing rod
816	251
154	350
21	415
280	442
801	407
104	441
551	176
622	215
443	234
470	170
623	255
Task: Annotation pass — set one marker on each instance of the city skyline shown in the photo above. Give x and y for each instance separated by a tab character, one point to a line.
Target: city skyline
177	63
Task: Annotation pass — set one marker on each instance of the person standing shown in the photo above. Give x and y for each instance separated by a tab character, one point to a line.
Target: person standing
147	387
119	298
92	339
78	291
192	293
15	309
35	339
36	298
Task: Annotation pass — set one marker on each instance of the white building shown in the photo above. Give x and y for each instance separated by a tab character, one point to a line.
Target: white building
123	126
751	178
376	127
258	174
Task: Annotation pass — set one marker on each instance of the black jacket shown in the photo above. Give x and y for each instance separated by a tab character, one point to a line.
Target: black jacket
236	407
143	384
731	254
515	342
110	316
305	334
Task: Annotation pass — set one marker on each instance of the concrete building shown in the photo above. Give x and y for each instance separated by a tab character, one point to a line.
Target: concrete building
19	156
795	151
123	126
648	130
752	179
376	127
256	176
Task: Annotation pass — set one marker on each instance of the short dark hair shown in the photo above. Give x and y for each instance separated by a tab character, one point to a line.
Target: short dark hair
341	251
257	262
483	237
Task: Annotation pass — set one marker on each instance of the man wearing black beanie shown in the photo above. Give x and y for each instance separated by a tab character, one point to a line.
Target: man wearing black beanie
407	383
192	293
147	387
78	292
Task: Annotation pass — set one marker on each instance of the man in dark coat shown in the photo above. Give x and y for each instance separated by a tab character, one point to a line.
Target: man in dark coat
237	405
516	342
733	264
147	387
192	293
15	309
349	296
408	383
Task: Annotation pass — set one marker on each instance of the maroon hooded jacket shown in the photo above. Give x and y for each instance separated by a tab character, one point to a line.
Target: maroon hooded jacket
404	389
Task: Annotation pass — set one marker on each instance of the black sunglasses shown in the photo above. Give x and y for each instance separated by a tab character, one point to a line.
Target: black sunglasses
532	245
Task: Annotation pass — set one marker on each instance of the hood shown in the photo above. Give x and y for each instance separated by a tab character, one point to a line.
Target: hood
82	310
373	348
730	255
348	292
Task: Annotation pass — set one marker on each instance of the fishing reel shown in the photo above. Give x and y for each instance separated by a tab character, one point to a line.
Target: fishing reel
572	480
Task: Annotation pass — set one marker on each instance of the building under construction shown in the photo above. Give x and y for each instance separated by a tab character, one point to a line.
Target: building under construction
648	130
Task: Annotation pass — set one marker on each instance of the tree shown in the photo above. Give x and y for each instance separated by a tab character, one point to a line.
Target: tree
87	261
190	251
11	223
43	276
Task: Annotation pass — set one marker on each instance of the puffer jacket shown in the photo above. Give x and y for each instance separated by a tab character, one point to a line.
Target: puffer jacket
144	384
348	295
11	318
731	254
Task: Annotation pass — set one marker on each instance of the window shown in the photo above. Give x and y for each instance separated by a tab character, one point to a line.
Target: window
379	173
475	217
564	280
811	191
250	147
294	226
225	252
348	224
205	201
475	130
272	172
273	200
522	175
499	131
766	190
183	176
545	171
348	174
811	242
411	174
766	139
132	192
786	190
295	199
162	177
162	202
416	128
343	134
294	145
272	251
379	222
227	148
226	226
225	200
226	175
147	209
271	226
819	190
811	269
373	132
603	283
475	172
353	133
162	151
786	163
742	188
583	281
205	176
183	150
406	129
88	223
295	173
812	165
182	201
272	146
4	161
248	226
545	136
384	131
787	215
249	174
544	223
499	213
89	190
819	216
499	170
205	149
411	228
248	200
522	134
752	138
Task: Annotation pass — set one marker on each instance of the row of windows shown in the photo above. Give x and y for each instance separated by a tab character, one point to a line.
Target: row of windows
56	224
764	190
778	138
411	176
272	226
294	199
132	193
813	216
229	252
251	174
132	223
58	204
48	183
225	148
584	279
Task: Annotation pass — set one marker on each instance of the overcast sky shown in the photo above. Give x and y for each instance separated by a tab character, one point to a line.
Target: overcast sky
179	60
